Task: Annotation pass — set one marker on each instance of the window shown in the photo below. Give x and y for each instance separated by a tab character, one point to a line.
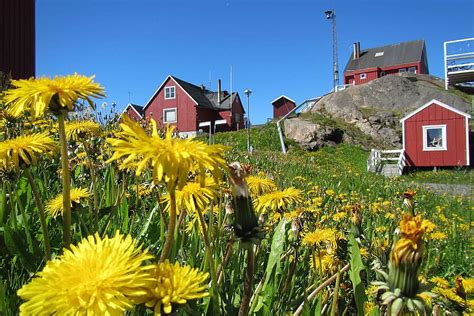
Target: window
434	137
402	70
169	115
170	92
363	76
378	54
382	73
412	70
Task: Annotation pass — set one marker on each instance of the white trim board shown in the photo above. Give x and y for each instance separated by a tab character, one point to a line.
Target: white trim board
161	86
133	108
421	108
283	96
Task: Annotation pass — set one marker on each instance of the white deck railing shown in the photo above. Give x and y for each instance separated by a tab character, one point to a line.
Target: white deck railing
378	158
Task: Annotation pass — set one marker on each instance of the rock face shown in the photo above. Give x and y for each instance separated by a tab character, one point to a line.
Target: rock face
375	108
312	136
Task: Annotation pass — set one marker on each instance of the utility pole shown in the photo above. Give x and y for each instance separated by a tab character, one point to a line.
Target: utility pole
331	15
248	92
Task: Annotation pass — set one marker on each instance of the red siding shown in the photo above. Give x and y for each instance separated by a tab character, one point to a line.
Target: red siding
281	107
455	155
17	38
131	113
185	108
374	73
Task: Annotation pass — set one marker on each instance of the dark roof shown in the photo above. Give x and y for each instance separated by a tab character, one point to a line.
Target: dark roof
401	53
138	108
206	98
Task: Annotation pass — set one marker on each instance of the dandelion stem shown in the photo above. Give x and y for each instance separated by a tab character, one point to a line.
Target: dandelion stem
248	282
44	225
336	291
66	182
207	244
171	227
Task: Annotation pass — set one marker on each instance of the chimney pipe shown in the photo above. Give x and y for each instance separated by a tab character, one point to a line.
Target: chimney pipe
356	50
219	91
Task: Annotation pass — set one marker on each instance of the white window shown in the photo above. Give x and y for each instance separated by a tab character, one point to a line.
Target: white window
363	76
169	115
170	92
378	54
402	70
412	70
434	137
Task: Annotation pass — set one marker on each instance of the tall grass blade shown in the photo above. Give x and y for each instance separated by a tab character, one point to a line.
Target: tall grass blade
354	273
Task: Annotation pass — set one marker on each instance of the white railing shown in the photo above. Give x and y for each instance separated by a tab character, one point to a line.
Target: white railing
378	158
344	86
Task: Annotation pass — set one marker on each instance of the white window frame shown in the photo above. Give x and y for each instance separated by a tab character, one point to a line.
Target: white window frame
169	110
170	88
363	76
443	136
402	70
414	67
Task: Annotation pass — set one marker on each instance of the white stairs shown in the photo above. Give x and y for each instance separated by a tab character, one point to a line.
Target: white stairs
390	163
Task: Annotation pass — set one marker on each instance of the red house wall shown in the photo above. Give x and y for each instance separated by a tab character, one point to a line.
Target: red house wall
17	38
281	107
374	73
131	113
185	108
456	152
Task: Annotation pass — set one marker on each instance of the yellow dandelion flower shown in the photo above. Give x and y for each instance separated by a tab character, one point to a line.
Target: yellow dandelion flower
364	252
440	282
260	185
339	216
369	307
409	246
78	130
330	192
193	195
174	284
55	206
35	95
172	159
279	200
320	236
450	294
324	262
381	229
25	150
438	236
96	277
468	285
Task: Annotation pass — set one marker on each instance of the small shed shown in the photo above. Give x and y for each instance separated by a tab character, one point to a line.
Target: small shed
134	111
436	135
282	106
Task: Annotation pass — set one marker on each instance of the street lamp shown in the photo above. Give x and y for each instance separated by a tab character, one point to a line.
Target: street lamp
248	92
331	15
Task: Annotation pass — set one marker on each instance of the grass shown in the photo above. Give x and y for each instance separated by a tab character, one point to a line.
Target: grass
463	176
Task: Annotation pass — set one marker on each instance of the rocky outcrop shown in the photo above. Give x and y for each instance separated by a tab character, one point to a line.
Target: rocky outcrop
312	136
374	108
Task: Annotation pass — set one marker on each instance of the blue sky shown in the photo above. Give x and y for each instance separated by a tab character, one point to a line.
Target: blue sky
274	47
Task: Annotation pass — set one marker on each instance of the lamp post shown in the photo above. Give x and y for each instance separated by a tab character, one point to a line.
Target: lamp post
331	15
248	92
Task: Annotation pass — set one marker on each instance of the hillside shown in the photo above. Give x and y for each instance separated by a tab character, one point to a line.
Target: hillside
368	115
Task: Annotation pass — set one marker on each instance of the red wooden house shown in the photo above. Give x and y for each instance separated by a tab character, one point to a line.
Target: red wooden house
369	64
134	111
436	135
185	105
282	106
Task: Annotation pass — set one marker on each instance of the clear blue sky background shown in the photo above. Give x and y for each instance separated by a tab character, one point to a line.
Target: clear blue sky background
274	47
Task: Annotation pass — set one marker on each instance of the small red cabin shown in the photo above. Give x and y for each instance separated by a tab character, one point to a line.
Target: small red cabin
134	111
282	106
436	135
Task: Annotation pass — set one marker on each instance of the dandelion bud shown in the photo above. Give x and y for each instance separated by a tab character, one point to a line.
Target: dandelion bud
246	226
406	255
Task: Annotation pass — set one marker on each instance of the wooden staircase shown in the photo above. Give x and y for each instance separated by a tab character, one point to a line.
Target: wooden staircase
390	163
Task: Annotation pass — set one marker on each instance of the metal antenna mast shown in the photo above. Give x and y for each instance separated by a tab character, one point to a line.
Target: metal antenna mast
331	15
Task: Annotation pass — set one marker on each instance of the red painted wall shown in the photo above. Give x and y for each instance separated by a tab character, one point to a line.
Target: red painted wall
374	73
455	155
185	108
281	107
131	113
17	38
